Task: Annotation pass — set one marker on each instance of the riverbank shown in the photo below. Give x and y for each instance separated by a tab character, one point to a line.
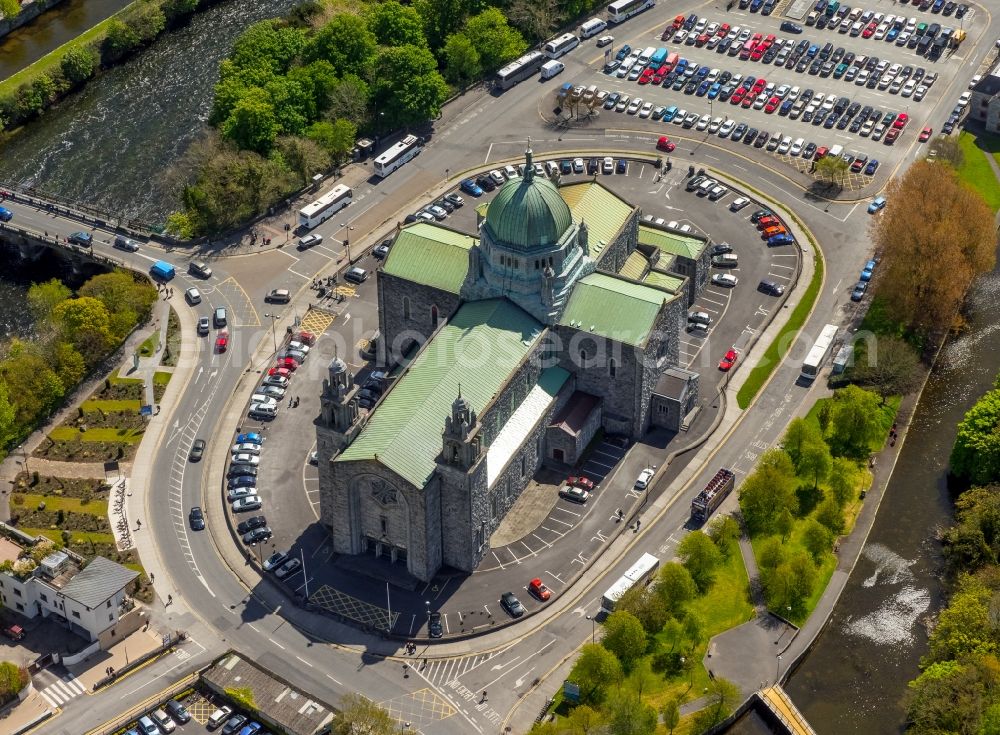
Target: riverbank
28	13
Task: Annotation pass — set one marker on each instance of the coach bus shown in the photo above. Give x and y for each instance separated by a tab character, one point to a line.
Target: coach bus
561	45
325	207
640	573
621	10
819	352
520	69
397	155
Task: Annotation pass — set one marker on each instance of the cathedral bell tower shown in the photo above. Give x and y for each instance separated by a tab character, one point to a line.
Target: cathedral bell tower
461	444
339	423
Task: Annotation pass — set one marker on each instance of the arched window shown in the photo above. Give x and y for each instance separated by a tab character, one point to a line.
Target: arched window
583	358
612	367
406	307
434	316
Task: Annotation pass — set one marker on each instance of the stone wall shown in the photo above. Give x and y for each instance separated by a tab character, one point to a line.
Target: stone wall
28	13
614	255
396	298
572	446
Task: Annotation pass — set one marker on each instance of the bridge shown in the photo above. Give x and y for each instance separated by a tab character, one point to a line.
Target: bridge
778	707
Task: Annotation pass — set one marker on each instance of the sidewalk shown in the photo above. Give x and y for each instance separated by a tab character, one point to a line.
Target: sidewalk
22	716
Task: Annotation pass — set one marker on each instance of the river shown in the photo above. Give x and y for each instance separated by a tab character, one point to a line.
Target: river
113	144
854	679
52	29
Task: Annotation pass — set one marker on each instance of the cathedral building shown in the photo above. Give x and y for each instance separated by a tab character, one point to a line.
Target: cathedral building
509	349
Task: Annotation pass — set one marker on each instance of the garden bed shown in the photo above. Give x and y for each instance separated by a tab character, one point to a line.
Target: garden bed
160	380
60	486
116	388
173	349
86	451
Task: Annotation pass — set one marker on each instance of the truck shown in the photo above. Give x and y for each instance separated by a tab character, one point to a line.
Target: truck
717	489
162	271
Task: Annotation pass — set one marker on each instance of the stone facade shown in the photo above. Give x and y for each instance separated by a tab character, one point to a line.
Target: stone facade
675	397
612	258
409	313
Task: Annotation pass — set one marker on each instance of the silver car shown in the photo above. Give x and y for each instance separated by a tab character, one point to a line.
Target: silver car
251	502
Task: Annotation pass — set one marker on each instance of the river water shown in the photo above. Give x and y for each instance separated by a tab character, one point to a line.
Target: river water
854	679
113	144
51	30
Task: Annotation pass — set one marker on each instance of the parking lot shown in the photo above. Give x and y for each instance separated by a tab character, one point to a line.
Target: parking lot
865	80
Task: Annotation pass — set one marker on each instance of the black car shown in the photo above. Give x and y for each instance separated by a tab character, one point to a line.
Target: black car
242	481
789	27
738	132
234	724
197	450
177	710
750	137
197	519
760	214
434	627
809	150
593	165
511	604
761	139
486	183
565	167
722	248
961	10
694	182
622	166
257	535
445	205
235	470
770	287
82	238
251	523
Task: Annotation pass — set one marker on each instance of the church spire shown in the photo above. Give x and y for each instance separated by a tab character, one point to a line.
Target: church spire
529	169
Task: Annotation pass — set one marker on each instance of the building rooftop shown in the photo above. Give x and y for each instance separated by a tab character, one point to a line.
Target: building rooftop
666	281
573	416
675	243
635	266
604	212
990	83
474	353
99	581
430	255
614	308
528	212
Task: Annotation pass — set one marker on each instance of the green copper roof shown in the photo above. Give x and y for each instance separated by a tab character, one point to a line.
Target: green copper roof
430	255
665	281
528	213
478	349
673	243
635	266
613	308
603	211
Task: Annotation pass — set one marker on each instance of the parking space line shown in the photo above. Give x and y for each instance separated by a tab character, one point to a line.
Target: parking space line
566	510
547	544
562	522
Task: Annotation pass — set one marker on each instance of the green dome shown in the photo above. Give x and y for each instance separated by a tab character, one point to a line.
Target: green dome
528	213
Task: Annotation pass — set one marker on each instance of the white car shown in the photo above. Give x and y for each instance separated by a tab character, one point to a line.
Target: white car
680	117
497	176
262	399
713	76
726	128
785	145
251	502
509	171
607	165
645	111
758	104
703	122
725	279
782	91
964	98
241	492
279	380
975	80
244	458
744	35
300	346
713	127
246	447
737	204
909	88
920	93
862	78
796	149
680	36
634	106
642	481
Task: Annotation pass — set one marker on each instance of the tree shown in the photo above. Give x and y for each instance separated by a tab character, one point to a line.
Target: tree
964	626
303	156
954	697
629	715
725	531
768	490
584	720
268	44
69	366
624	637
127	299
700	557
675	586
396	25
86	324
444	17
891	367
178	9
119	40
831	515
252	123
44	297
799	433
817	539
346	42
855	420
359	715
319	79
723	696
976	454
843	480
9	8
293	104
12	679
815	461
947	148
931	219
461	60
831	169
8	425
336	138
147	20
535	17
408	87
348	100
595	669
671	714
78	64
790	583
649	608
496	42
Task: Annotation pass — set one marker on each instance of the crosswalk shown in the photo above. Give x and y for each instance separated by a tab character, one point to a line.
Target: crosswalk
442	671
62	690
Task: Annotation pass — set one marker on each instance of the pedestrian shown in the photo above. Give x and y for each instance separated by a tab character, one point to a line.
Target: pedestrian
290	401
170	599
152	578
892	442
406	671
138	524
485	698
637	526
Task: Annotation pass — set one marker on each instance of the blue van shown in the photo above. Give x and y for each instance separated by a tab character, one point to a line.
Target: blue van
162	271
658	57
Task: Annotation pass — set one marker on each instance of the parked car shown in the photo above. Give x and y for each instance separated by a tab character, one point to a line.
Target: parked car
218	717
356	275
275	560
725	279
574	494
511	604
539	590
728	360
178	711
434	627
288	568
250	524
251	502
876	205
771	288
644	478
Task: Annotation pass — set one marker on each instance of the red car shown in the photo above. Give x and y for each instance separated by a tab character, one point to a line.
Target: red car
759	85
728	360
767	221
539	590
646	76
756	37
222	342
287	363
584	482
665	144
772	105
892	135
749	100
900	122
758	53
307	338
281	371
738	96
701	40
679	21
926	133
723	30
869	30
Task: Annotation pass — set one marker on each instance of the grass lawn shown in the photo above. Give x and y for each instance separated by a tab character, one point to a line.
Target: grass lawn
173	347
148	346
56	503
118	380
782	342
68	434
976	170
95	405
161	377
93	537
886	416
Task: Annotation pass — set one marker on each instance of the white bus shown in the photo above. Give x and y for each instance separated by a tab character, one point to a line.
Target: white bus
621	10
819	352
397	155
639	573
325	207
520	69
561	45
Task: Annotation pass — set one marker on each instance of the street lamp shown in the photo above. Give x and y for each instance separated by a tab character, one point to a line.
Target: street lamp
777	675
593	627
347	240
404	726
274	339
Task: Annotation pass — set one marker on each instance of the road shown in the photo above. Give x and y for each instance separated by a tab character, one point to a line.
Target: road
445	695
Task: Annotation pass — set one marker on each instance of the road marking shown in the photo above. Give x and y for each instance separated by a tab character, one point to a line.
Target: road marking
305	662
334	680
278	644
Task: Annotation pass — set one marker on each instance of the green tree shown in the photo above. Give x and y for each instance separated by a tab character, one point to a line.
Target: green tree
675	586
964	626
252	123
648	607
346	42
974	540
954	697
69	364
855	420
127	300
976	454
890	368
336	138
789	584
767	491
44	297
9	8
725	531
694	630
348	100
303	156
494	39
8	424
701	557
723	696
12	679
671	714
78	64
817	539
831	515
624	637
268	43
815	462
595	669
395	24
799	433
359	715
37	388
119	41
831	169
318	80
176	10
293	104
443	17
86	323
408	87
461	60
843	480
629	715
584	720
